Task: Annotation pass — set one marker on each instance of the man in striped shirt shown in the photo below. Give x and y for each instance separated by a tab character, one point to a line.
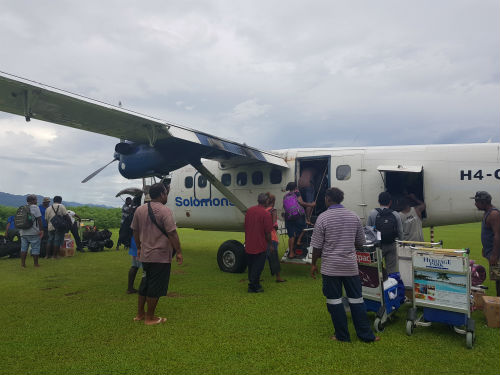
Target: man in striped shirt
336	235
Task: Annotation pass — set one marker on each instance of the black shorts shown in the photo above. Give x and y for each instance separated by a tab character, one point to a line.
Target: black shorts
295	227
155	278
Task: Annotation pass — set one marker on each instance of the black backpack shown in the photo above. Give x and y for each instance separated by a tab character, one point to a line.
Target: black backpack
387	225
60	223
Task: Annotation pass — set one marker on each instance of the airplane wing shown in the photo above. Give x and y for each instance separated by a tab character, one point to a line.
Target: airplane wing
38	101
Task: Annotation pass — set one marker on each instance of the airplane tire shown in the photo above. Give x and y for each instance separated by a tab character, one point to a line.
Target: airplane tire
231	257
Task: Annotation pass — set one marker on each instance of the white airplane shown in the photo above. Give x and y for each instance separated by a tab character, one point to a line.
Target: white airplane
214	180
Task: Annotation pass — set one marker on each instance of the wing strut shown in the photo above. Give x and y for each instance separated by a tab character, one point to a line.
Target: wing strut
218	184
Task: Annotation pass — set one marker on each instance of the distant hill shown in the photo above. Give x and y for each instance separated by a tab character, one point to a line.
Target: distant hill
13	200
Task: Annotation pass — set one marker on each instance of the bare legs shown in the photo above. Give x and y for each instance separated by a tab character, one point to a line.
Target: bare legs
291	247
148	316
23	259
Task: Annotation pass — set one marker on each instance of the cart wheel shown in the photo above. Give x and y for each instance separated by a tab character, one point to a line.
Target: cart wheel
469	339
409	327
377	325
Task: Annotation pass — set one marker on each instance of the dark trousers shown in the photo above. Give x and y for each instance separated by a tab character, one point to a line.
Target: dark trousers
255	264
332	290
76	235
272	257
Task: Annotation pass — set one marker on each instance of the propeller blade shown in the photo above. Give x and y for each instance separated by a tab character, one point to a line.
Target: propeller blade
92	175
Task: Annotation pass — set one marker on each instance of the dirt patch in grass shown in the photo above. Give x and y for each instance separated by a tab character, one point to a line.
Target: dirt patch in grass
50	288
75	293
174	295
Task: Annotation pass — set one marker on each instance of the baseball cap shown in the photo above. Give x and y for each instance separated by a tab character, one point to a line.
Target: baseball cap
46	199
482	196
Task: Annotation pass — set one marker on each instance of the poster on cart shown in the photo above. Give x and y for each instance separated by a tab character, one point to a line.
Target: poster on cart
441	289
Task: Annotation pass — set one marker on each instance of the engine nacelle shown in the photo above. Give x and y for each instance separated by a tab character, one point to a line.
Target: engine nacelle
139	161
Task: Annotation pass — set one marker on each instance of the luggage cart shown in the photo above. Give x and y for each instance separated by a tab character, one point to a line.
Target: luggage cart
379	298
404	258
441	285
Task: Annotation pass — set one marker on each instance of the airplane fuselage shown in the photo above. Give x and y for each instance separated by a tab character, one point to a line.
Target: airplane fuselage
444	176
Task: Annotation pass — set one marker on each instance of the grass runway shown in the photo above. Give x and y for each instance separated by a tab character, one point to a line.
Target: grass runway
73	316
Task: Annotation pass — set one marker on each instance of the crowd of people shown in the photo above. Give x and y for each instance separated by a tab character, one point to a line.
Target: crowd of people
337	233
40	230
150	233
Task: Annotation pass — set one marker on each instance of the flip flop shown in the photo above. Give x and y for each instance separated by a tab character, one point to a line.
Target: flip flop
280	281
159	321
137	319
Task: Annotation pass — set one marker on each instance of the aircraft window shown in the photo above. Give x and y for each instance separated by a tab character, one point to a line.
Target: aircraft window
241	179
188	182
275	176
257	178
202	181
226	179
343	172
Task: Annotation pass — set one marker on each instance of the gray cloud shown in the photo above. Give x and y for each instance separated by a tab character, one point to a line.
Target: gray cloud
304	74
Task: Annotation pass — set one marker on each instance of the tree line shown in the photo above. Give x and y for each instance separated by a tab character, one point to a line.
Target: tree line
105	218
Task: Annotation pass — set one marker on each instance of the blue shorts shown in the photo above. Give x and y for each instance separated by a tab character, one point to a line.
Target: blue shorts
56	238
295	227
34	241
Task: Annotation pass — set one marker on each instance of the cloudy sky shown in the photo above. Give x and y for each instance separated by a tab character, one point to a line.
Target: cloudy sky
273	74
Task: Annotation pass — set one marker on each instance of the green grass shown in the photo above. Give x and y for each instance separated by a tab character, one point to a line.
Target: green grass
72	316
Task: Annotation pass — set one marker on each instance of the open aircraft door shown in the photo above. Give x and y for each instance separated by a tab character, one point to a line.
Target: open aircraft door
347	175
401	180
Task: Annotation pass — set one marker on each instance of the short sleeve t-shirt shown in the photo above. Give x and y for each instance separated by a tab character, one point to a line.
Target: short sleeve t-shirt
337	232
258	222
155	246
34	230
42	211
51	212
72	216
12	222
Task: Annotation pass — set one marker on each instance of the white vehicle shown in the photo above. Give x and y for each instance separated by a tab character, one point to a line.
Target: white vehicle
214	180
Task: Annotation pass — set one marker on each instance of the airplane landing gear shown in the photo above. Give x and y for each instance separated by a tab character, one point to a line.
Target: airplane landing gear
231	257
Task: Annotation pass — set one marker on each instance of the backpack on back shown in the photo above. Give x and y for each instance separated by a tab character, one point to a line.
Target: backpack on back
24	218
60	223
293	209
387	225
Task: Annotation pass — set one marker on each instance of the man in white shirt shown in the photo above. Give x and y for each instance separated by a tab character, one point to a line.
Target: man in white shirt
56	237
74	230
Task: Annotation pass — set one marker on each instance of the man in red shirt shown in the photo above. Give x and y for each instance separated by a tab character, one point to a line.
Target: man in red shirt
258	228
156	238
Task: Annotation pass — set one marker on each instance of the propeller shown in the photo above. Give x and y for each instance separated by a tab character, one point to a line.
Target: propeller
92	175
